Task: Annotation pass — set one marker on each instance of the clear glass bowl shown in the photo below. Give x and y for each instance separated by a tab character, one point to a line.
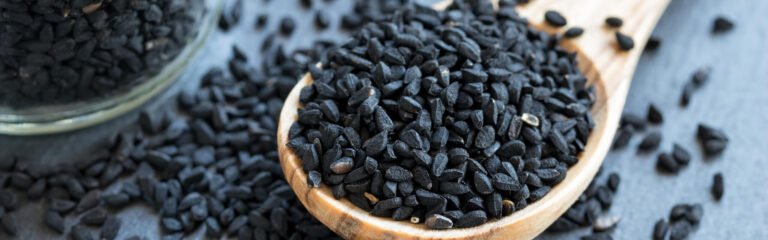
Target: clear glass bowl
55	118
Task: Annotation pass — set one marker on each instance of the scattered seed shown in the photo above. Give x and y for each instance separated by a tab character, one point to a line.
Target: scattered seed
614	22
573	32
718	186
624	42
722	25
555	19
654	114
660	229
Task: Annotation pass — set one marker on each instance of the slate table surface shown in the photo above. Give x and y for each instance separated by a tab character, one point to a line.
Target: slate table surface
735	99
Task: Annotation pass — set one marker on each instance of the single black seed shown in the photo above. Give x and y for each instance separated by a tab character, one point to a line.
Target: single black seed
261	20
111	228
667	163
660	229
653	43
80	232
471	219
718	186
650	142
722	25
95	217
322	19
614	22
624	42
695	213
555	19
680	230
54	221
573	32
437	221
679	211
654	114
287	25
623	136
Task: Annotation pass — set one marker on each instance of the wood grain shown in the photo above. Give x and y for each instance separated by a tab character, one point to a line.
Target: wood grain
609	69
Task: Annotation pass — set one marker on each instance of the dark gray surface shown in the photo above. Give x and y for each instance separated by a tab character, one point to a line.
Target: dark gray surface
734	99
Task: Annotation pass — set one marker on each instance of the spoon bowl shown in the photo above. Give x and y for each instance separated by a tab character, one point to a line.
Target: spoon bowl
607	68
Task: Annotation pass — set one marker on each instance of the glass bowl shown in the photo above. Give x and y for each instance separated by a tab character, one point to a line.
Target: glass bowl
55	117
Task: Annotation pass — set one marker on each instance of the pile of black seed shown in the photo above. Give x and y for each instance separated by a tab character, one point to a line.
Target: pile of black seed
218	167
447	119
54	52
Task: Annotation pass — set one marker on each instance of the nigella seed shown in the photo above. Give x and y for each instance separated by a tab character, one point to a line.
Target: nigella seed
681	155
623	136
680	230
653	43
678	212
314	179
54	221
261	20
287	25
573	32
718	186
95	217
660	229
614	22
624	42
654	114
695	213
650	142
667	163
721	25
80	232
555	19
322	19
437	221
471	219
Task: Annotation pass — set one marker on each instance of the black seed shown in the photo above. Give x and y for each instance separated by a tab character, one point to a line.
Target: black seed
613	182
650	142
313	179
622	138
54	221
695	213
681	155
722	25
654	114
573	32
80	232
718	186
322	19
60	205
680	230
667	163
471	219
287	24
614	22
652	44
624	42
398	174
660	229
261	20
437	221
700	76
679	211
212	228
95	217
555	19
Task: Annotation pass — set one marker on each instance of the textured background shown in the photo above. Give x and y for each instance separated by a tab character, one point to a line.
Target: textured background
734	99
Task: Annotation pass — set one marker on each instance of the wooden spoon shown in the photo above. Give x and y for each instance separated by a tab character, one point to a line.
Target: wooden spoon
607	68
